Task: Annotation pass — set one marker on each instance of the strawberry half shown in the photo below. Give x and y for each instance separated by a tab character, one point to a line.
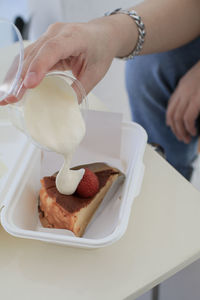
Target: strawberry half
89	185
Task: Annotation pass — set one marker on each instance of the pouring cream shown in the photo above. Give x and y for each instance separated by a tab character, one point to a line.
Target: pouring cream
53	119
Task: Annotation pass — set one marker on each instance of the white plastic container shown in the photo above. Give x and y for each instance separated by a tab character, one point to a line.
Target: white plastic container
19	214
13	147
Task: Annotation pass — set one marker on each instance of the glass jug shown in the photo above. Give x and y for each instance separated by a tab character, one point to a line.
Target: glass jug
11	83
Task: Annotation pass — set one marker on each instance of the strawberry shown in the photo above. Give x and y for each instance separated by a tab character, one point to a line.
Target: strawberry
89	185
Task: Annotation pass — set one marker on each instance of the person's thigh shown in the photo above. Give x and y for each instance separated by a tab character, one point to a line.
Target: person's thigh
150	81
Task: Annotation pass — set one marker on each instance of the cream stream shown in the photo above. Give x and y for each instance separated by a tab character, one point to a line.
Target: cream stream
53	119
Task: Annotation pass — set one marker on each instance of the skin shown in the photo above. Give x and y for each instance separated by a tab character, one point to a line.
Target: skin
184	105
87	49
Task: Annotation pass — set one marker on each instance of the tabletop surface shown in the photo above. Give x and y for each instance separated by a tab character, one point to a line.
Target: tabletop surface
162	238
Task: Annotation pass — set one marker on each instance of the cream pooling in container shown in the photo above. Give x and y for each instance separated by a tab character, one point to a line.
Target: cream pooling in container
54	120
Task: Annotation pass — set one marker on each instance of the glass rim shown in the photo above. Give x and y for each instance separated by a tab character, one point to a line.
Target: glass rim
69	75
16	81
79	90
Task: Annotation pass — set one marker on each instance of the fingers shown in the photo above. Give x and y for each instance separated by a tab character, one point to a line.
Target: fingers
49	55
87	80
30	53
28	56
52	51
32	50
9	100
90	76
181	116
190	117
184	105
79	47
175	113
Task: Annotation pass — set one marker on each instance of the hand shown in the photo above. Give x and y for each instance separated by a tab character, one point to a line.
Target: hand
86	49
184	105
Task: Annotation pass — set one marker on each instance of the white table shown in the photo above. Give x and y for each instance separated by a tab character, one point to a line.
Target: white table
161	239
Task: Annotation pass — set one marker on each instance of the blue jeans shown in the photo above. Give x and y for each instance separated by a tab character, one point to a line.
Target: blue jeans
150	81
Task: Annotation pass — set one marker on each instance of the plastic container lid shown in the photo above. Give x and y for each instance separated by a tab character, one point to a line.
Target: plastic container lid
11	43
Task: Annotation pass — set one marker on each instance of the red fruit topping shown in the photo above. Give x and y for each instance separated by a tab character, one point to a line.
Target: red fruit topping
89	185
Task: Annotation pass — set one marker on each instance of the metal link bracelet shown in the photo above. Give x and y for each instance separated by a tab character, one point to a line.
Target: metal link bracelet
140	26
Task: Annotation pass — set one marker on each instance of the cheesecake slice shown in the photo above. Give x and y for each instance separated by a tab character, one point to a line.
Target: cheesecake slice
71	211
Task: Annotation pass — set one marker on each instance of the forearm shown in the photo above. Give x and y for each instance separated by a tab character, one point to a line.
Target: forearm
169	24
87	49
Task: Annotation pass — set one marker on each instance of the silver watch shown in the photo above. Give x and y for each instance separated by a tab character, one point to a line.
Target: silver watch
140	26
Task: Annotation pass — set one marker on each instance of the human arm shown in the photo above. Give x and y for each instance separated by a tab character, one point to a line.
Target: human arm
88	49
169	24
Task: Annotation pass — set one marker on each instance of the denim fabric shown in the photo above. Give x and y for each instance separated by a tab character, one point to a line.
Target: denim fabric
150	81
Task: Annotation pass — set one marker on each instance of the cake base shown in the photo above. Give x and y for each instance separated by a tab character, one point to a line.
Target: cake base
73	212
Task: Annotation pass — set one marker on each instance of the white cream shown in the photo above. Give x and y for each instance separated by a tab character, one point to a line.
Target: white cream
53	119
